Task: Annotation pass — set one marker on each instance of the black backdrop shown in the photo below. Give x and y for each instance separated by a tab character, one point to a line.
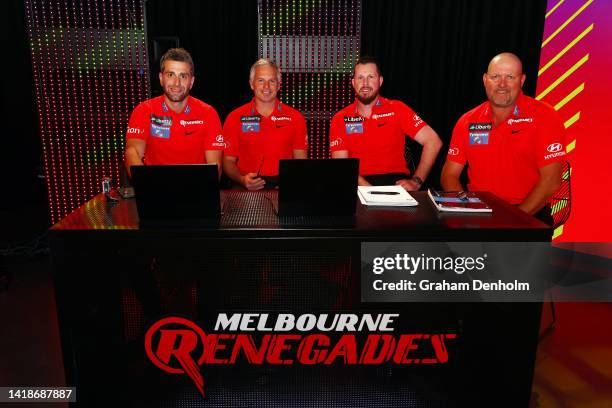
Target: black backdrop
433	55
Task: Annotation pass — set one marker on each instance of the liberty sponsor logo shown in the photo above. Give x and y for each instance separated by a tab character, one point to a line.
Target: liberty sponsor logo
191	122
253	118
480	126
520	120
353	119
179	346
161	120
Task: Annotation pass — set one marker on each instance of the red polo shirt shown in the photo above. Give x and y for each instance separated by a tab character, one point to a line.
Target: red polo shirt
378	141
176	138
259	142
506	159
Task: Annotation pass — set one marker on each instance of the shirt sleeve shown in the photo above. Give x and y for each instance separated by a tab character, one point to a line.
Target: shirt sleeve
409	121
456	150
551	137
300	137
336	134
214	136
231	135
139	123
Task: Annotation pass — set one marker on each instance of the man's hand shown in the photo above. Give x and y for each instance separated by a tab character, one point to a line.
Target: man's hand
408	185
252	182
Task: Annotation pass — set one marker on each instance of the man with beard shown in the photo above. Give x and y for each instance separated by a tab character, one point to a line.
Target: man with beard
174	128
513	145
262	132
373	130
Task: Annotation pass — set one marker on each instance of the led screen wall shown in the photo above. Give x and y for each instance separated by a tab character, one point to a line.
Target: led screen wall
90	69
316	44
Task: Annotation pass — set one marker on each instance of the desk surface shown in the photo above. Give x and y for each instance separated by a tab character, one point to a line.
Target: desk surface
253	214
107	288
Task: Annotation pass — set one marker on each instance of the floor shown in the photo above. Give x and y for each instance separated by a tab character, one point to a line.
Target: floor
573	366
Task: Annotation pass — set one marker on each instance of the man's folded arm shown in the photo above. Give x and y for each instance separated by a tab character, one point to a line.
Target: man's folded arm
548	183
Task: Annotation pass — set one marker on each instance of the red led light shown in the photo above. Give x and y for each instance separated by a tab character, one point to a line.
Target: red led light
88	62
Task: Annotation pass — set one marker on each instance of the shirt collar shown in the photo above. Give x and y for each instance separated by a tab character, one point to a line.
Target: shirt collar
278	107
516	112
166	109
379	104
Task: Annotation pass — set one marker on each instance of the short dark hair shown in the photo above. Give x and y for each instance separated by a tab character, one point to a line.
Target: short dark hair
176	54
368	59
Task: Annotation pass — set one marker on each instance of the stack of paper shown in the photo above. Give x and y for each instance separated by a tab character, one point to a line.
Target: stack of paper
385	196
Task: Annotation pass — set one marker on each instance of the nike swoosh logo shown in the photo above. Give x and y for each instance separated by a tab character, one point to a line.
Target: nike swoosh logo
516	131
189	133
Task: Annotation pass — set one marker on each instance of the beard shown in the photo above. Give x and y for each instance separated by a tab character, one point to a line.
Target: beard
174	97
366	100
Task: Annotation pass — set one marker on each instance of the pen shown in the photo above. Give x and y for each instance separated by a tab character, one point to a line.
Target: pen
260	166
384	192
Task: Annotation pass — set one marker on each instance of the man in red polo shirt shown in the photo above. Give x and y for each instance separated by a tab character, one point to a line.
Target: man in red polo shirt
262	132
513	145
174	128
373	130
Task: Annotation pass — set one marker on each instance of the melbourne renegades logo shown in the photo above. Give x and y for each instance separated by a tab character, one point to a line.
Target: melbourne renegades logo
177	338
179	346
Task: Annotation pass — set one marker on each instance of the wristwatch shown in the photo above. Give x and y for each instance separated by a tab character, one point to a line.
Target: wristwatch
417	180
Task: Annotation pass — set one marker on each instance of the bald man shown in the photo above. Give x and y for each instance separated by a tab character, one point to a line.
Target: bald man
512	144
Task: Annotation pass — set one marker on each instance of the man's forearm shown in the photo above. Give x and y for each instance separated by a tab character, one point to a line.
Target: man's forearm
362	182
132	158
428	158
231	170
450	183
538	196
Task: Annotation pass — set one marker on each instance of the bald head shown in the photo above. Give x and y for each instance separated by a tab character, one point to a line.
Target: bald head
504	80
506	58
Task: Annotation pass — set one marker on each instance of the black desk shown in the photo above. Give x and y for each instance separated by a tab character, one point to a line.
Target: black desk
253	262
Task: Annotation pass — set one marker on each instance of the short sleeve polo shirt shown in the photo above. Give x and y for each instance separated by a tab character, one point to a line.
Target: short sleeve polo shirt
176	138
378	141
259	142
506	159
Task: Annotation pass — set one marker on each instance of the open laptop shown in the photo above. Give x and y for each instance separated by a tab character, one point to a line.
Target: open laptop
182	195
318	188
